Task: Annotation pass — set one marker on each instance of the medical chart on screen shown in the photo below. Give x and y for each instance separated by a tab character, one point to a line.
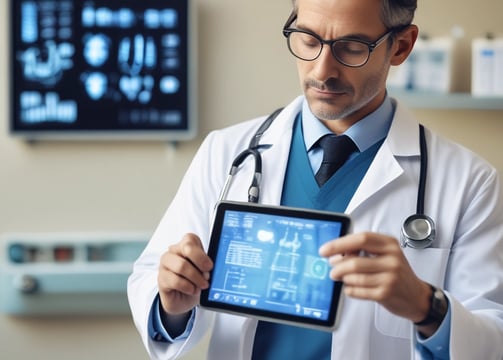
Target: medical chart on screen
272	262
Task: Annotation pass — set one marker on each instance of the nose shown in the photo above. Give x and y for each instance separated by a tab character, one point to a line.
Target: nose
326	65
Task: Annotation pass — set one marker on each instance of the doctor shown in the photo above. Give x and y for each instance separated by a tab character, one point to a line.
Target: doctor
441	302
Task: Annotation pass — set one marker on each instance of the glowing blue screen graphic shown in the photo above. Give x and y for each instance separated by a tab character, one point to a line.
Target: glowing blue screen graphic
271	262
100	65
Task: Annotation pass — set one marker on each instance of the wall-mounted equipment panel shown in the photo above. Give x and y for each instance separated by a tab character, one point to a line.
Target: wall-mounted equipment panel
99	69
49	274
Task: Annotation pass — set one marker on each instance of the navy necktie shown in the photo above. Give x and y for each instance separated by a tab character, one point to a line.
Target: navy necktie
336	150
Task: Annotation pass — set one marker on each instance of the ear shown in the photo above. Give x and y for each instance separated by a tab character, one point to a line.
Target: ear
403	43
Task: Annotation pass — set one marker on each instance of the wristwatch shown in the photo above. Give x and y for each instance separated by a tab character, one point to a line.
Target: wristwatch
438	307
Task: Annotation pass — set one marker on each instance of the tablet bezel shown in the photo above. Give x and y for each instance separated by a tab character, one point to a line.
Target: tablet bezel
337	294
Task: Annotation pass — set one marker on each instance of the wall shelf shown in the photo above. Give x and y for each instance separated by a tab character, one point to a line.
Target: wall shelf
430	100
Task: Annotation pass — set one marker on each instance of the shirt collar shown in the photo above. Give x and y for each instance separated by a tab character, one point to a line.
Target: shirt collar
364	133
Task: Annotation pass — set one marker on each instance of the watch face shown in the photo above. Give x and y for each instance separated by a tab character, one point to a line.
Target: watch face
438	306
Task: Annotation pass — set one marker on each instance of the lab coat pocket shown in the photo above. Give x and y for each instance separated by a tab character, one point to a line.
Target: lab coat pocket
391	325
429	265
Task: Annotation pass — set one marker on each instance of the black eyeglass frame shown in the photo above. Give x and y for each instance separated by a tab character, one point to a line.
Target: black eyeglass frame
287	31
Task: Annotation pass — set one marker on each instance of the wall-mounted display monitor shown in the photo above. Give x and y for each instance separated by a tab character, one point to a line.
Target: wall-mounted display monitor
91	69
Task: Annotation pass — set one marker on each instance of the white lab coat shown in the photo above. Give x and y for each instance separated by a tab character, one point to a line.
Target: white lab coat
463	196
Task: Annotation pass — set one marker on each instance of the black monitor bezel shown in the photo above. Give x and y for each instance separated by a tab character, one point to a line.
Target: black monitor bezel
337	294
188	132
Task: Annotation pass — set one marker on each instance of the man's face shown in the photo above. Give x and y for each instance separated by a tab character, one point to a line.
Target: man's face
335	91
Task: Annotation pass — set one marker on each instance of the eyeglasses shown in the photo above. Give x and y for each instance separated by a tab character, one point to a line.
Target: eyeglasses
307	46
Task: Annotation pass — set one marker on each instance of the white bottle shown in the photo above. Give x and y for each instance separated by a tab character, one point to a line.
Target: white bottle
432	64
483	64
498	67
399	77
419	65
439	64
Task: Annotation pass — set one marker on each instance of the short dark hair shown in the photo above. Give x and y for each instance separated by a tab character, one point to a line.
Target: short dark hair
394	13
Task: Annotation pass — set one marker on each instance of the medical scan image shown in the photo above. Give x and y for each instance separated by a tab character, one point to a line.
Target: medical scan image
126	61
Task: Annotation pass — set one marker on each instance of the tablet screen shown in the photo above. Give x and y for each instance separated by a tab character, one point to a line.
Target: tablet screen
266	263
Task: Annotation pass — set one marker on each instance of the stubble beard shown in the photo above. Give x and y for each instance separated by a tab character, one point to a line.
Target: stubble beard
335	109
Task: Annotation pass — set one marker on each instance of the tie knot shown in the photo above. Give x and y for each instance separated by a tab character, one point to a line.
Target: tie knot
336	150
336	147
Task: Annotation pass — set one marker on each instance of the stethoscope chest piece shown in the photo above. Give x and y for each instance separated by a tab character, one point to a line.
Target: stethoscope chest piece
418	232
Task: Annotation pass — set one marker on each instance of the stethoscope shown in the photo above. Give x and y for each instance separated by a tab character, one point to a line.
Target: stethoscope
253	150
418	230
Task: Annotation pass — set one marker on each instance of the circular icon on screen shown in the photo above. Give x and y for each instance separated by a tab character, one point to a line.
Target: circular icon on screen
319	268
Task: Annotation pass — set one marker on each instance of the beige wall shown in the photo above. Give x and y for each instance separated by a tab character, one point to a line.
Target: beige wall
244	70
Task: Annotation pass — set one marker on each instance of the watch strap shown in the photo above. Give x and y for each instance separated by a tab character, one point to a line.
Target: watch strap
438	307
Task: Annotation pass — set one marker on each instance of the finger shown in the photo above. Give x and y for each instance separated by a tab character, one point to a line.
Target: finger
191	248
364	293
346	265
335	260
366	286
367	281
367	242
169	281
344	245
176	264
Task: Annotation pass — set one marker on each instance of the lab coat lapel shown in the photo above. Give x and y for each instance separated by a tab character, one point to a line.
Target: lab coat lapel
275	159
402	141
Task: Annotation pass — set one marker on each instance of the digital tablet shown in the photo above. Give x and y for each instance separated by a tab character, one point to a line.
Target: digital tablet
266	264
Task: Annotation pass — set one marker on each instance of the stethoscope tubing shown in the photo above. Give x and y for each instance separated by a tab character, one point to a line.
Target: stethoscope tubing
422	235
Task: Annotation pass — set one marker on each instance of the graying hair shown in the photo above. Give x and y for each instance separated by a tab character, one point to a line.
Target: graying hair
394	13
397	13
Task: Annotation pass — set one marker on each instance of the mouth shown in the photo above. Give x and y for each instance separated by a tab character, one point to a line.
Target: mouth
328	93
328	89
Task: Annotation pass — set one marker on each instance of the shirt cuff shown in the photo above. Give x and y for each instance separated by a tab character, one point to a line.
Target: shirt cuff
156	329
437	345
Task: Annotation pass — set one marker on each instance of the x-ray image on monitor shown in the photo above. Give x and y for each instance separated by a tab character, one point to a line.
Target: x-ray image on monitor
98	68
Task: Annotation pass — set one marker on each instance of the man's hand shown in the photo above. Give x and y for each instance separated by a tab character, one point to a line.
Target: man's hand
183	273
373	267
